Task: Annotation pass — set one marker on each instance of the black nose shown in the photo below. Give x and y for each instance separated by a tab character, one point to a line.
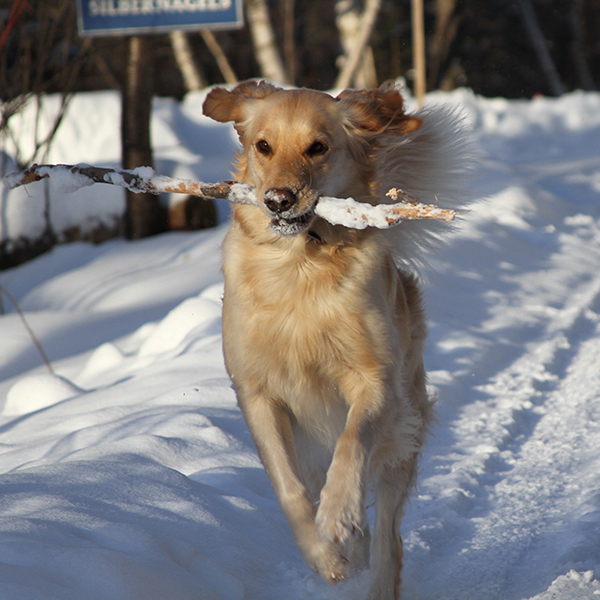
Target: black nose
278	200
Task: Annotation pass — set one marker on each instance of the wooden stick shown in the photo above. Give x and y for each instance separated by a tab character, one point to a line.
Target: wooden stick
338	211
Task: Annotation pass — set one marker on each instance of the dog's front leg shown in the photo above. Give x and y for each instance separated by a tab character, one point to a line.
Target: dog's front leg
271	430
342	515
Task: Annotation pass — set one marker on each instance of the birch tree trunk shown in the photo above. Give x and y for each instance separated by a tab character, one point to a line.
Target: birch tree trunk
184	56
263	39
358	65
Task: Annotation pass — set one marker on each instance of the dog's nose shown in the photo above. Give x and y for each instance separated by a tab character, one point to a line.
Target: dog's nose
278	200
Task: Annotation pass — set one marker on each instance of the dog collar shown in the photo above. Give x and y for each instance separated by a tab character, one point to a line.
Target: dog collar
313	235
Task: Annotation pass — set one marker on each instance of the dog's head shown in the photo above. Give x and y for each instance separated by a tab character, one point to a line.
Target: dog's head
302	144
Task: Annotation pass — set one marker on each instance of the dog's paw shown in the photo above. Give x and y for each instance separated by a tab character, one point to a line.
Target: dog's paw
340	519
327	560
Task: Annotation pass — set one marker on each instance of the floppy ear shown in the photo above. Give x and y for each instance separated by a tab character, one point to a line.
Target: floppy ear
223	105
378	111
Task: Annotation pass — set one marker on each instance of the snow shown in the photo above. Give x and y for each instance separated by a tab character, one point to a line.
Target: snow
130	474
359	215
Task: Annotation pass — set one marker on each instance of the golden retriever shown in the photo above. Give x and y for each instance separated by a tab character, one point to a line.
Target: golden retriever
323	333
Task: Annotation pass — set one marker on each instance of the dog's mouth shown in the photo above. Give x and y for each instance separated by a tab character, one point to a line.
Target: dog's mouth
290	209
291	226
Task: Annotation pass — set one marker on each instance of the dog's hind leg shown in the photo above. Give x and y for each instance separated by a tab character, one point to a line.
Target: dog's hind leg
358	550
392	486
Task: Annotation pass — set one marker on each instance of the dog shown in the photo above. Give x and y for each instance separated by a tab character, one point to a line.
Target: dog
324	326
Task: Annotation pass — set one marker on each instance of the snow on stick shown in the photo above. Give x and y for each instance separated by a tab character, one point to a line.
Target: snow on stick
338	211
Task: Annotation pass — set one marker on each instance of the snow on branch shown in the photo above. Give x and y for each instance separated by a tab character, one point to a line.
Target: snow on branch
338	211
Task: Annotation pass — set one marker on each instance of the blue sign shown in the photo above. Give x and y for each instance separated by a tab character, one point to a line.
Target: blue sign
133	17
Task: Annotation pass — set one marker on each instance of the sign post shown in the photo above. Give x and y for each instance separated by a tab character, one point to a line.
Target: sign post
135	19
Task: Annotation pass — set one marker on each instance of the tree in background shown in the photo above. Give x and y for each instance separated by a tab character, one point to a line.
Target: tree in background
39	52
515	48
488	45
510	48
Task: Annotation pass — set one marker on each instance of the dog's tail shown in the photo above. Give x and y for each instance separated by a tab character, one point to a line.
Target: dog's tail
432	163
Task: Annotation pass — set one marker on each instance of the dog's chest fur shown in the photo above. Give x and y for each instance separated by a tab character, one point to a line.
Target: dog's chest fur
302	312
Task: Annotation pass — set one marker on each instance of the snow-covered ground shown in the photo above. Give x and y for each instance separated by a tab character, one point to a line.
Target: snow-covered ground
129	473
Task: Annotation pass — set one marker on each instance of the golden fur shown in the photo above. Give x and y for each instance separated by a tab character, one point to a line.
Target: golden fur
323	334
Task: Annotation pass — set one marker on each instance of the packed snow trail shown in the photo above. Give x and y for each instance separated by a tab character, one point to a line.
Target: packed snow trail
521	459
131	475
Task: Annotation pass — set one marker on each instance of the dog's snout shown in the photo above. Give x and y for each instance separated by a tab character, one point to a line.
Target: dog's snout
279	200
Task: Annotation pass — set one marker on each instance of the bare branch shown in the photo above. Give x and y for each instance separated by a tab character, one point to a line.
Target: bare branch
338	211
541	48
32	335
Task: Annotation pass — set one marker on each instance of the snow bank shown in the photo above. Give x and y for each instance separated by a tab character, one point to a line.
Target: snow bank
184	144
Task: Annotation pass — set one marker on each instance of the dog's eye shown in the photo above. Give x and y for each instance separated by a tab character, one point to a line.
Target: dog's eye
316	149
263	147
